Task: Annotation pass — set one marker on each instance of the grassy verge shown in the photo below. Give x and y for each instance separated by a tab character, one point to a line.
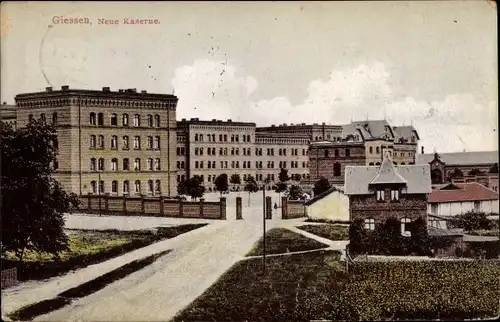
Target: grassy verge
281	240
315	286
327	221
31	311
484	232
332	232
88	247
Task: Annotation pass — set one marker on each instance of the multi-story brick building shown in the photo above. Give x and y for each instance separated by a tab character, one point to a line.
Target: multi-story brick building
379	192
362	143
109	142
463	167
8	114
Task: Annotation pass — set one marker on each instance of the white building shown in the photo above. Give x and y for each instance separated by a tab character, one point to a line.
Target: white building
332	205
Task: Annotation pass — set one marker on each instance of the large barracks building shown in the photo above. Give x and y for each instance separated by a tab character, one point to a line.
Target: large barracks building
129	142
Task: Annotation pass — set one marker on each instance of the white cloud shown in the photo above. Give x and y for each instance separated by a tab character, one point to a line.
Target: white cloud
210	89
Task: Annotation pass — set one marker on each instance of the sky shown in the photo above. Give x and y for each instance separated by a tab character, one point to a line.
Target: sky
432	65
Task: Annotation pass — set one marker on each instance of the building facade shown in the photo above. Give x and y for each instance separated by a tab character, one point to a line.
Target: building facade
377	193
121	143
8	114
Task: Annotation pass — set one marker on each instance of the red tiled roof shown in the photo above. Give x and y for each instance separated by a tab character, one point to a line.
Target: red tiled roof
468	192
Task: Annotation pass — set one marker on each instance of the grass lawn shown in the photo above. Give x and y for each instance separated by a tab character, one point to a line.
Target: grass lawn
281	240
88	247
332	232
315	286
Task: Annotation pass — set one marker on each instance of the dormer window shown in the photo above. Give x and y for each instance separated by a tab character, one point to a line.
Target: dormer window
395	195
380	195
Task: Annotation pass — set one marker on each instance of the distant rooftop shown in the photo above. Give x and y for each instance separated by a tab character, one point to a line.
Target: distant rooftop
105	92
461	158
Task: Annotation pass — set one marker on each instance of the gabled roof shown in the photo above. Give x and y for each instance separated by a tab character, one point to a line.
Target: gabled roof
404	132
358	178
321	196
387	174
468	192
368	129
460	158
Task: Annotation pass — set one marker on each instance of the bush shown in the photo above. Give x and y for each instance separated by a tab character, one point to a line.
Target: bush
472	220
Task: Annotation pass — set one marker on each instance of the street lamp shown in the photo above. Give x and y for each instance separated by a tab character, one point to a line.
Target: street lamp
264	227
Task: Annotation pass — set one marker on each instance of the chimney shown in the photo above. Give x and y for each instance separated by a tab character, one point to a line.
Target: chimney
422	150
144	92
133	90
65	87
192	119
183	120
120	90
323	123
229	120
48	89
105	89
214	120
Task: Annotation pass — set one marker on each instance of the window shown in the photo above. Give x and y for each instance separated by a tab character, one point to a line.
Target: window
114	142
150	120
114	186
93	164
150	142
137	142
150	164
126	187
137	164
125	119
114	164
150	187
326	153
125	142
126	165
336	152
157	164
371	163
114	119
336	169
380	195
93	119
370	224
371	150
100	119
93	184
378	150
54	118
434	208
137	120
477	206
347	152
100	142
42	117
157	143
405	227
157	187
101	187
92	142
137	186
101	164
157	120
395	195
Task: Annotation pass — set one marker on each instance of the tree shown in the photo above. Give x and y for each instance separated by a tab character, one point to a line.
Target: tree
33	202
235	179
251	186
389	238
472	220
358	237
295	192
181	188
494	168
321	186
194	187
221	183
283	175
419	242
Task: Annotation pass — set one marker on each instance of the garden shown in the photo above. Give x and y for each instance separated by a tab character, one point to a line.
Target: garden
332	232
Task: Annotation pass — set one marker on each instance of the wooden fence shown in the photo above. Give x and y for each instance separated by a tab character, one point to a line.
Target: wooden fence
151	206
9	277
292	208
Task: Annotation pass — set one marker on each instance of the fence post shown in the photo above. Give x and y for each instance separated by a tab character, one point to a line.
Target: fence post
284	208
124	204
162	211
201	207
89	201
181	208
238	208
143	206
269	208
223	208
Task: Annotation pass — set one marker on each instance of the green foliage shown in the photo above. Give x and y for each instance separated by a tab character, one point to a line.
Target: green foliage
194	187
474	172
251	185
358	237
332	232
33	202
283	175
281	240
321	186
221	183
235	179
472	220
295	193
280	187
181	188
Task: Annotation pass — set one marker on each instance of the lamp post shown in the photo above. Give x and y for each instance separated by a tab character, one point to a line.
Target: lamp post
264	228
99	189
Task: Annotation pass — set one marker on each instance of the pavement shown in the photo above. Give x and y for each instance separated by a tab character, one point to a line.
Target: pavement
159	291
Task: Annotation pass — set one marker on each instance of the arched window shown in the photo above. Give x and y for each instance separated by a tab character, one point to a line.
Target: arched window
114	164
54	118
100	119
137	142
101	164
114	142
92	141
371	150
370	224
125	119
157	120
150	164
114	186
157	187
93	184
378	163
157	164
114	119
150	186
405	227
93	164
336	152
402	163
101	187
137	164
100	142
371	163
126	165
326	153
336	169
125	142
126	187
30	118
137	186
93	119
378	150
137	120
150	120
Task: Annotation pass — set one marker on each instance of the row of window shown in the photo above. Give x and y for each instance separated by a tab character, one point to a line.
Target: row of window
223	138
43	118
328	137
98	119
382	197
258	177
370	225
97	142
395	163
236	151
245	164
153	187
402	153
337	153
98	165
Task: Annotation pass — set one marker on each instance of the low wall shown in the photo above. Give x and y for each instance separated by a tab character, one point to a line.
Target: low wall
292	209
151	206
9	277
